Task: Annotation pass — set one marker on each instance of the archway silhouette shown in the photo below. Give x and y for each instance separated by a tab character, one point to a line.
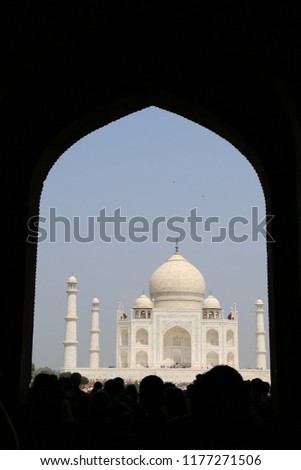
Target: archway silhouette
243	86
219	266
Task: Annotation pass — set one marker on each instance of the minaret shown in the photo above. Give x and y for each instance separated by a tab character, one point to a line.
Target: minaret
260	336
94	336
70	342
120	312
233	312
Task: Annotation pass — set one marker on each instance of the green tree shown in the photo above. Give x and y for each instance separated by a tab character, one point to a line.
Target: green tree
84	380
44	370
66	375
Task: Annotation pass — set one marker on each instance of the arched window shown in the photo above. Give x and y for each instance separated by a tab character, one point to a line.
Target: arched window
124	337
212	359
141	359
142	336
212	337
230	338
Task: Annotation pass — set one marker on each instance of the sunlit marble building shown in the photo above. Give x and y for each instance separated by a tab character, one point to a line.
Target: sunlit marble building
175	332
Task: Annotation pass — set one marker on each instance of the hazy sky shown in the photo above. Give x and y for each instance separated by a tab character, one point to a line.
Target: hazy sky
150	164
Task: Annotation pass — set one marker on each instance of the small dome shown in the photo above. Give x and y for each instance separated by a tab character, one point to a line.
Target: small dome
95	300
143	302
259	302
72	280
211	302
177	284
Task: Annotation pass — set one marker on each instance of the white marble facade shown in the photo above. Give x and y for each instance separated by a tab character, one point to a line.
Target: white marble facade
175	332
177	327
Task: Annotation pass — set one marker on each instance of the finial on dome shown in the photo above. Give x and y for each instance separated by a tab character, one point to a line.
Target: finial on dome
177	246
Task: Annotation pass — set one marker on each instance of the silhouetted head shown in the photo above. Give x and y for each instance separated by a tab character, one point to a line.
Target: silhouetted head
266	388
100	405
223	380
175	402
259	388
151	393
76	379
120	385
111	388
97	385
131	390
43	382
219	393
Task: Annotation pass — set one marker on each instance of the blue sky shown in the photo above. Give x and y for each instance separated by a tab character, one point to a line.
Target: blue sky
150	164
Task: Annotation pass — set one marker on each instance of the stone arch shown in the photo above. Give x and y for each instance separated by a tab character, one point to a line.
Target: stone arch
124	337
177	347
212	359
142	336
141	359
230	338
212	337
270	129
167	108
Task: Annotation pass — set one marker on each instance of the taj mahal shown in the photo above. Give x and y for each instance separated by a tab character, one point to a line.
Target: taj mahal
176	332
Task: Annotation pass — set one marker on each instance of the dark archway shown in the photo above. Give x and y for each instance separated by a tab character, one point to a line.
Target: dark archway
60	81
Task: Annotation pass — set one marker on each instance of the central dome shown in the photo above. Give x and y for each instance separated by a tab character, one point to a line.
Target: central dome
177	284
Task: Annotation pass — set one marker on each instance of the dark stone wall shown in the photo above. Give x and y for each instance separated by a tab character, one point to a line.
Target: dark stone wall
68	68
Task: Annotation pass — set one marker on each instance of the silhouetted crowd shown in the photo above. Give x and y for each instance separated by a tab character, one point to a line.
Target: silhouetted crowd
219	410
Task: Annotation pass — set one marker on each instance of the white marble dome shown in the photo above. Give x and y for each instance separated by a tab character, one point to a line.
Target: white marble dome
143	302
72	280
211	302
177	284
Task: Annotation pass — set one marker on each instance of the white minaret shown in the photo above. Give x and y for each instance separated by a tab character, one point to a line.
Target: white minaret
260	336
94	335
70	342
